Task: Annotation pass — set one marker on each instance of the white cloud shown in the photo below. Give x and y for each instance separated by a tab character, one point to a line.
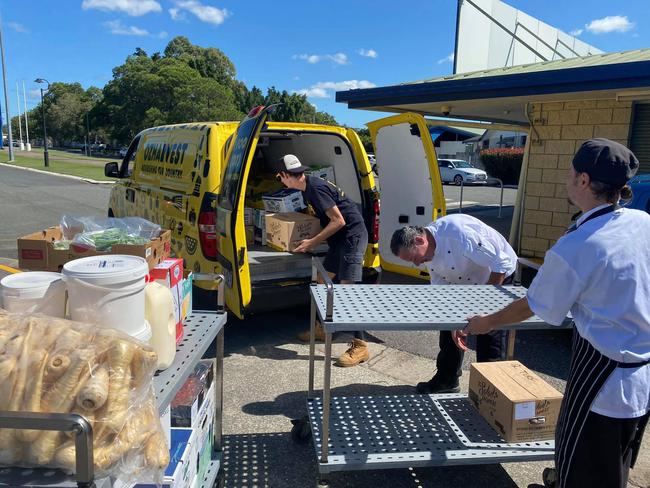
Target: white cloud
116	27
205	13
337	58
611	23
17	27
134	8
576	32
176	14
322	88
368	53
162	34
34	94
447	59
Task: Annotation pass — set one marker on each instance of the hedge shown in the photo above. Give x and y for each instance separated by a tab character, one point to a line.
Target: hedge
504	164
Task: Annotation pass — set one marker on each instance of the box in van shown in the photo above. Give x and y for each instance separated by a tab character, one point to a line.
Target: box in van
284	231
196	179
284	201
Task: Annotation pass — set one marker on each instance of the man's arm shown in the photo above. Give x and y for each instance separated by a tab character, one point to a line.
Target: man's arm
336	223
516	312
496	278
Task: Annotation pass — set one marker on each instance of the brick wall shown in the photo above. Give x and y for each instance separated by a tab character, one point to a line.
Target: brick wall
559	128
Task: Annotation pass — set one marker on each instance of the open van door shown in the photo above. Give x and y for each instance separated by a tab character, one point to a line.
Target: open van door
232	254
411	191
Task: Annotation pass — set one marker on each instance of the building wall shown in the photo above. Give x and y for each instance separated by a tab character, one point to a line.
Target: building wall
558	130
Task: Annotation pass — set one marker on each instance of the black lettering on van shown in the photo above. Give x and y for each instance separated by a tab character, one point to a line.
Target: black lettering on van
184	149
168	151
173	157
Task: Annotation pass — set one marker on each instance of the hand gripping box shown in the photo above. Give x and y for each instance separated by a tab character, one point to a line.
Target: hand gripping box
520	405
285	230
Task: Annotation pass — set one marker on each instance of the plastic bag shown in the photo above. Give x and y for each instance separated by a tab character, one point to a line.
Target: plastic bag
101	233
54	365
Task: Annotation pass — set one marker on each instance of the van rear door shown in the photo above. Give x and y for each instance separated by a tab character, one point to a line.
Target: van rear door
231	233
411	190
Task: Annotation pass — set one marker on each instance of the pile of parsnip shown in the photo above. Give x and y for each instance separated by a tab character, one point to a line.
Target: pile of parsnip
55	365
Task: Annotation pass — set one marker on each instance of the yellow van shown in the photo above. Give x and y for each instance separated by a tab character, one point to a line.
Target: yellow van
197	180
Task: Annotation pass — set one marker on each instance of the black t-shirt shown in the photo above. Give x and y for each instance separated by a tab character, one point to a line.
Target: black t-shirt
323	195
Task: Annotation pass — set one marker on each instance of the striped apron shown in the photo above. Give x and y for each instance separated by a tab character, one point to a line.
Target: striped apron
588	373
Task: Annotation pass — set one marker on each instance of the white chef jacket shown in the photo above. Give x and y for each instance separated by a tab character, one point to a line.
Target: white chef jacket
601	272
467	251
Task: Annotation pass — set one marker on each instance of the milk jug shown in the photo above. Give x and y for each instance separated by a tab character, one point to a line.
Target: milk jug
159	312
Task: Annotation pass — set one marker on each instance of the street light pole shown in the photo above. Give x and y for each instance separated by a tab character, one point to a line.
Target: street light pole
4	80
46	155
87	136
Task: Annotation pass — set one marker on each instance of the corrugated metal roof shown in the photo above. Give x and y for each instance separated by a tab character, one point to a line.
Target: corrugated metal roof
579	62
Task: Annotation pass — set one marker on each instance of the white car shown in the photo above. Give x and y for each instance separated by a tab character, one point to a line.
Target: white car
458	171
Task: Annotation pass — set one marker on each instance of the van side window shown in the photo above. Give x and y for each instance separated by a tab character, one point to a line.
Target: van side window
235	167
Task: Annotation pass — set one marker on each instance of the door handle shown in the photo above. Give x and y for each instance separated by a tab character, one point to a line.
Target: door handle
240	257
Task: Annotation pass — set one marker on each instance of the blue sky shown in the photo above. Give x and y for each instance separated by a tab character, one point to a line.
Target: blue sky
308	46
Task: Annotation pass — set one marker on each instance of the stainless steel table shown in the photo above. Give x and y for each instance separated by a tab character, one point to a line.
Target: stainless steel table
382	432
200	329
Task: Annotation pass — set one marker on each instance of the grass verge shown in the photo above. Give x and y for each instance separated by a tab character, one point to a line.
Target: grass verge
81	169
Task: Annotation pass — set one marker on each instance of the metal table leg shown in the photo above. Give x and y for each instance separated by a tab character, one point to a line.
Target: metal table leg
312	349
326	397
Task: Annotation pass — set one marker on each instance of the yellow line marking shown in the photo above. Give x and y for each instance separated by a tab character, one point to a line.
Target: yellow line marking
9	269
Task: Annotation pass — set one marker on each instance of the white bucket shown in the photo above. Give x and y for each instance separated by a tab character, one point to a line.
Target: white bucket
107	290
33	292
144	334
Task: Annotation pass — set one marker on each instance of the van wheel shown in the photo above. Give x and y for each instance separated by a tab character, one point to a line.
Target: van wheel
110	212
458	179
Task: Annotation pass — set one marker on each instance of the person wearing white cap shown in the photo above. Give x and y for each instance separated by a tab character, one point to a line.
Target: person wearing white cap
344	230
600	272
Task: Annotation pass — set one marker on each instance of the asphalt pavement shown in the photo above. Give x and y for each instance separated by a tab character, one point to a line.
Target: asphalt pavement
265	369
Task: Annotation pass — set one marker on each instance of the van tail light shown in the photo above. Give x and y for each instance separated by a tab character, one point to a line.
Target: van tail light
208	233
375	220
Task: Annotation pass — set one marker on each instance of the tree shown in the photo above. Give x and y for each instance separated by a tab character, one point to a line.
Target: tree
364	135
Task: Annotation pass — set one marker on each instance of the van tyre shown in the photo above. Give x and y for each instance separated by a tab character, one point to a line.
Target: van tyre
458	179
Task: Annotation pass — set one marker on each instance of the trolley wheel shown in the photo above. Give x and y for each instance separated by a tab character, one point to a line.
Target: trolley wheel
549	477
323	482
301	430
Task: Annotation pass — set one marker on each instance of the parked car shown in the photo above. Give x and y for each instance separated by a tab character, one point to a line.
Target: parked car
123	151
640	192
459	171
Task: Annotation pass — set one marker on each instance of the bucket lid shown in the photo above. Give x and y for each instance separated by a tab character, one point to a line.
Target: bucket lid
107	269
30	284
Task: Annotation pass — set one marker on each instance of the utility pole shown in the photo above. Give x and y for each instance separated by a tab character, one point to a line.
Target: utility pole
28	144
4	81
20	124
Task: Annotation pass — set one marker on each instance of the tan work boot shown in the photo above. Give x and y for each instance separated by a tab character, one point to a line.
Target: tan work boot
319	333
357	353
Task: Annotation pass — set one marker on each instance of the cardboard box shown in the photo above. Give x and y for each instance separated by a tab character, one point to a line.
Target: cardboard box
286	200
36	251
250	235
322	171
170	274
249	215
285	230
260	227
181	470
520	405
186	297
186	406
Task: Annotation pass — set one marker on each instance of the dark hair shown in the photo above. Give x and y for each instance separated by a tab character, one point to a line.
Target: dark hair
404	238
610	193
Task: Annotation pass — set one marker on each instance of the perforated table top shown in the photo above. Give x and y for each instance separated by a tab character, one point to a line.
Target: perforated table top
413	307
382	432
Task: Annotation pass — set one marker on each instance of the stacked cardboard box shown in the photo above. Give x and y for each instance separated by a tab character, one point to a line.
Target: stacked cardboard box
286	200
284	231
322	171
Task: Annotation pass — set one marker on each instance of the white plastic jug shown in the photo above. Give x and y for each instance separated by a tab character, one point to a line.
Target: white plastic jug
33	292
159	311
107	290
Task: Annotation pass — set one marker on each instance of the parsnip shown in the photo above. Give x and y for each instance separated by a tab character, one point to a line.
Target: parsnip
156	451
64	457
94	393
143	365
33	393
60	397
116	407
7	380
69	339
57	364
41	452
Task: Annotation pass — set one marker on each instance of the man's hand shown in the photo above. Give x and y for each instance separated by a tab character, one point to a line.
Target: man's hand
305	245
478	324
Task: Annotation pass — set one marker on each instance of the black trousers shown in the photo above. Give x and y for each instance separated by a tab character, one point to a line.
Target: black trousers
489	347
605	451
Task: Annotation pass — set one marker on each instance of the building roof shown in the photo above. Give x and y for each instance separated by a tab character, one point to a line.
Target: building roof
503	92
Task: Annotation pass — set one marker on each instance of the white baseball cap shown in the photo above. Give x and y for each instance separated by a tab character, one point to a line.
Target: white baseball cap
292	164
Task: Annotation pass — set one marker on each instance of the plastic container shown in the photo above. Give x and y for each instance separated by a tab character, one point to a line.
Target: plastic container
107	290
159	312
144	334
33	292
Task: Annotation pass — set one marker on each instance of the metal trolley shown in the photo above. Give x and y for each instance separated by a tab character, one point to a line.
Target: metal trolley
384	432
201	328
